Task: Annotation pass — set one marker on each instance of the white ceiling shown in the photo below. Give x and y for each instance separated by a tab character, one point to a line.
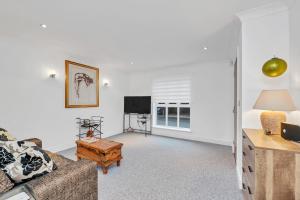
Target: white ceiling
150	33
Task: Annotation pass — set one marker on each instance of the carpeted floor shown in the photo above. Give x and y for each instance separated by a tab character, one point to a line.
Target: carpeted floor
160	168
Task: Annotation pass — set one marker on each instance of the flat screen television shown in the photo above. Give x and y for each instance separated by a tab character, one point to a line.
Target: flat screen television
137	104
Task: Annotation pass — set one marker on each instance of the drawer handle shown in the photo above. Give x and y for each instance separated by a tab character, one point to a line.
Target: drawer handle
244	154
250	169
243	169
250	147
244	186
244	137
249	190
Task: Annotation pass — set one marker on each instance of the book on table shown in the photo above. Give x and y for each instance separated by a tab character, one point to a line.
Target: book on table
89	139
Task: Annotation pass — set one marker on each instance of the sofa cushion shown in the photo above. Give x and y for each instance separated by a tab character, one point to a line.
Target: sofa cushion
22	161
37	141
5	182
5	135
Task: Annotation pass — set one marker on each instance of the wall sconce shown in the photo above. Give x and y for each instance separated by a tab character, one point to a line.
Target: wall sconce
105	83
52	75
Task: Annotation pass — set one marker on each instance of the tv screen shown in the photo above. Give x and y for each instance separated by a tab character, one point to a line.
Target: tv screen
137	104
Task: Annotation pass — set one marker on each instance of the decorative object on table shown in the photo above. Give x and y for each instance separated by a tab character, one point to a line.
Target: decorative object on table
6	136
274	67
89	139
81	85
104	152
275	102
90	127
290	131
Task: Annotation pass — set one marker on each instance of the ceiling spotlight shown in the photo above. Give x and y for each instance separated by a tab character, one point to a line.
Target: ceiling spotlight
131	63
205	48
43	25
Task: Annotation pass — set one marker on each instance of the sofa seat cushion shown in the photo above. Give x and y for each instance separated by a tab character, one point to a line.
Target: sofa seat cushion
59	160
23	161
5	183
77	180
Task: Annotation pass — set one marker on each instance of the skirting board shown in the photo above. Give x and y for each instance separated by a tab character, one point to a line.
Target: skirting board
55	150
239	175
220	142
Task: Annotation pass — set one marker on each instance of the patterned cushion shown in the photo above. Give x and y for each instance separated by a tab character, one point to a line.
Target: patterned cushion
6	136
23	161
5	183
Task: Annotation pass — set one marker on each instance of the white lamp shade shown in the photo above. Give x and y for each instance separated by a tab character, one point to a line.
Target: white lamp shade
275	100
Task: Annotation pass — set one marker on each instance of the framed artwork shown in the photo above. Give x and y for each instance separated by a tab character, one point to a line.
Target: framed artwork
81	86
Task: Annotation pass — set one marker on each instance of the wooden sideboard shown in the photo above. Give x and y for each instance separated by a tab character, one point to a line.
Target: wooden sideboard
271	167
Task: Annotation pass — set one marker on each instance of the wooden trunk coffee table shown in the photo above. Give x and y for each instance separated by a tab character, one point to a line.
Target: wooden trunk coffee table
104	152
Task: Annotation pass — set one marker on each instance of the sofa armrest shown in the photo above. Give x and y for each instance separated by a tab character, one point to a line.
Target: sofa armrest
37	141
76	181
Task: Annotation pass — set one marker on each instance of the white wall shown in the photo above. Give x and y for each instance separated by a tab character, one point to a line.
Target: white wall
32	104
264	33
239	147
261	41
212	99
295	58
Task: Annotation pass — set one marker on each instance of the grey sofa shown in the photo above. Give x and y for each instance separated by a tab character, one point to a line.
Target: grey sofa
72	180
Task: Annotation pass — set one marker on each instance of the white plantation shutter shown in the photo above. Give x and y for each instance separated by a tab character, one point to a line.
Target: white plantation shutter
175	90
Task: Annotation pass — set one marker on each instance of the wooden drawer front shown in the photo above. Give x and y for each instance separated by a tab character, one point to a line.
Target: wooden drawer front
248	172
87	153
248	150
114	153
248	168
247	189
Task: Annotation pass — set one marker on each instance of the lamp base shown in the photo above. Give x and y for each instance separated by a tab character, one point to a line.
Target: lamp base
271	121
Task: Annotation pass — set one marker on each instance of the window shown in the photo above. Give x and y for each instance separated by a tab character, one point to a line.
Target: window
161	116
171	104
184	117
172	116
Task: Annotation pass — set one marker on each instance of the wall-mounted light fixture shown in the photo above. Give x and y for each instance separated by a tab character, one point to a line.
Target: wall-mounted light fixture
52	75
105	83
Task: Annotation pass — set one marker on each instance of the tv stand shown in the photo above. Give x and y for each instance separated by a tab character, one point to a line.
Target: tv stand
143	120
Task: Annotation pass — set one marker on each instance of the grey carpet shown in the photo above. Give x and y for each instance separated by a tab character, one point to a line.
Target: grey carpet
160	168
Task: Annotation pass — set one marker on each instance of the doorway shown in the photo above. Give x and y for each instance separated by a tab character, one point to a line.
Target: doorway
234	111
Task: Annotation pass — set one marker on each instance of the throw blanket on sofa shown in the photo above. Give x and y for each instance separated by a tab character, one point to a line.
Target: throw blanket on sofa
22	161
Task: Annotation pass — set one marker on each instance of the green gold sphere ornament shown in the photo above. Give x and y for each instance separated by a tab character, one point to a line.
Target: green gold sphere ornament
274	67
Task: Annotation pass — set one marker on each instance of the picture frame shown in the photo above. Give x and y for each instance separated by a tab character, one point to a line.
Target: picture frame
81	85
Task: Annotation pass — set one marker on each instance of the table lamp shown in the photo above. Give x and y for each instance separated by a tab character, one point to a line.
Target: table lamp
275	102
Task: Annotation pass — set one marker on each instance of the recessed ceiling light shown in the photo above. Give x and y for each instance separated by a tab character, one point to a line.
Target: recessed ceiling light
43	25
131	63
205	48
